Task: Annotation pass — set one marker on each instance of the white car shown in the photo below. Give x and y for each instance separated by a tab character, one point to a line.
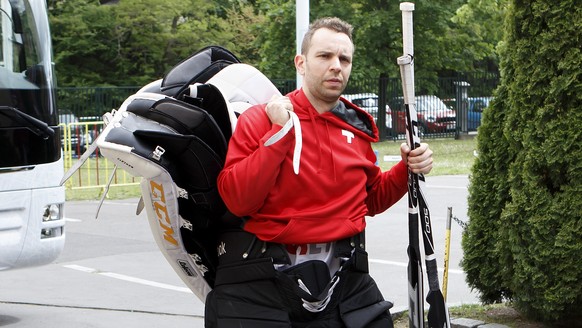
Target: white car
369	103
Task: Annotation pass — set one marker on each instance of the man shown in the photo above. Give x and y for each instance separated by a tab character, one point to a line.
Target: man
300	261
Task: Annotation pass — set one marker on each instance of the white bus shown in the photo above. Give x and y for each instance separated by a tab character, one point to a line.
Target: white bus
31	165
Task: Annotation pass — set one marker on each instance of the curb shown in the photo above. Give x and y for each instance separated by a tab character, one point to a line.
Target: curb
460	322
470	323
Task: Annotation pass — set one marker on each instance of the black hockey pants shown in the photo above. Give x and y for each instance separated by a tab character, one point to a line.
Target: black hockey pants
252	294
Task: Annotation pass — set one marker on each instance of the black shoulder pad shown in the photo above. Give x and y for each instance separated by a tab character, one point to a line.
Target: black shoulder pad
199	67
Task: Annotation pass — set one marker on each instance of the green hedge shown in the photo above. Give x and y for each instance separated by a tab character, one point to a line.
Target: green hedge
524	238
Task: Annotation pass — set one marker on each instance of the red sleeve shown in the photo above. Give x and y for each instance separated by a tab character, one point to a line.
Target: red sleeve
251	168
387	188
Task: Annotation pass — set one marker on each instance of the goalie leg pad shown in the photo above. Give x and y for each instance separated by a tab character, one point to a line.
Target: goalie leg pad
161	204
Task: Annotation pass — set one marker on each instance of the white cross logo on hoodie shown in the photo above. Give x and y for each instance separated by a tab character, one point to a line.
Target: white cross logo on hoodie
349	135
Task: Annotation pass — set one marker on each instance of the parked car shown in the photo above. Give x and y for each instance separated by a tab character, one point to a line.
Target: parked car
369	103
475	108
433	115
80	138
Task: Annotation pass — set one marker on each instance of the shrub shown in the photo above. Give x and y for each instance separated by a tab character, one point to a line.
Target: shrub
525	231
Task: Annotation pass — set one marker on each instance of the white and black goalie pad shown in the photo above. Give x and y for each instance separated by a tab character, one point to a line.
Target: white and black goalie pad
119	143
179	148
179	166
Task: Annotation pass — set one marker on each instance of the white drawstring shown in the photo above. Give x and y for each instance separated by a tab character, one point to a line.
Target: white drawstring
292	122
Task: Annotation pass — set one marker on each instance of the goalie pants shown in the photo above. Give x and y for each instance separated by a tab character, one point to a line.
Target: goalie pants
253	294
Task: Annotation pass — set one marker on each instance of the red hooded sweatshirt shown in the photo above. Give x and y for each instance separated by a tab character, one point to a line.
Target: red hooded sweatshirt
337	186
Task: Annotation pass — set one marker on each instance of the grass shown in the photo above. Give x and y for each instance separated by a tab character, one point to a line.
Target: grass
450	157
95	193
495	313
88	183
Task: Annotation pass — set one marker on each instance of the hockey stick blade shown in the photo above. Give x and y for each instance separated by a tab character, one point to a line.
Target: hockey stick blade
438	314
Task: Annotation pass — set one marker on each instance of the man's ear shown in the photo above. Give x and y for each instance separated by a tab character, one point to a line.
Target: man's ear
300	64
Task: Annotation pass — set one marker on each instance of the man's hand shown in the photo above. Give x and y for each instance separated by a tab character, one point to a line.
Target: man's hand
277	109
418	160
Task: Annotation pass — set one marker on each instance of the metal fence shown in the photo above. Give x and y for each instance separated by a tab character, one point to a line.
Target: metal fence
97	170
80	112
464	95
448	107
91	102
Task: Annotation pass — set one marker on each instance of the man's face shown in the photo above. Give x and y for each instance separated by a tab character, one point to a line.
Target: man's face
326	66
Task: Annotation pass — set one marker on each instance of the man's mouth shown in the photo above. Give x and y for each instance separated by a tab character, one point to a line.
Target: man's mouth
334	81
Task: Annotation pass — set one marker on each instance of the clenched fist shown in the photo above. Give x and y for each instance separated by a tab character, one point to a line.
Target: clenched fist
277	109
418	160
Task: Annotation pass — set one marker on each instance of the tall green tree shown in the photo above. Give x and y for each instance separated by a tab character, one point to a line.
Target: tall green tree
477	26
120	45
525	229
117	44
76	26
242	23
378	37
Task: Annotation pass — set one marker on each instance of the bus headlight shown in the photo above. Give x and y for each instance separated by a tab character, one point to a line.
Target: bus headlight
52	212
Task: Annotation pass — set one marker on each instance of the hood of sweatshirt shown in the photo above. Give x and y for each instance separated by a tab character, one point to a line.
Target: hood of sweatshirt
305	111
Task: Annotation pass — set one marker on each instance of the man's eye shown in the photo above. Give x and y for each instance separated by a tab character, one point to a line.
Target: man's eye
346	60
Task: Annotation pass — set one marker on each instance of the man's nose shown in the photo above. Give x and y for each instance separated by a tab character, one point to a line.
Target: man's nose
335	64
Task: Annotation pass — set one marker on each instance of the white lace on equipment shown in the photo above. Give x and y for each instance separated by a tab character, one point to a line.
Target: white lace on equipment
292	122
318	306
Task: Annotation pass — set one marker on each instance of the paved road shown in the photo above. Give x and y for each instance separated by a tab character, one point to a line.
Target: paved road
112	275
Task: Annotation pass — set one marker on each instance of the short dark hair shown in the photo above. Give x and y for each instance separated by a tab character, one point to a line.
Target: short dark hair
332	23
